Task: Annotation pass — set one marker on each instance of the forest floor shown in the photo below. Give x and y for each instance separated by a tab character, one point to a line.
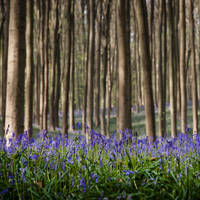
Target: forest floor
138	123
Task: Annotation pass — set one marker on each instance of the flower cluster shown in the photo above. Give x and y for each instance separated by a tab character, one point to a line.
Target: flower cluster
52	166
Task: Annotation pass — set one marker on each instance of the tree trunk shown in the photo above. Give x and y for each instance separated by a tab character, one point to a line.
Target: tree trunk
72	68
85	67
182	35
194	76
164	71
172	71
46	66
58	83
141	13
104	66
160	74
98	64
36	105
42	25
67	72
124	104
16	69
5	61
53	74
29	69
90	90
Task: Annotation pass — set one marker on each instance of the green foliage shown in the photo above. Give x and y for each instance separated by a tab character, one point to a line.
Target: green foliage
56	168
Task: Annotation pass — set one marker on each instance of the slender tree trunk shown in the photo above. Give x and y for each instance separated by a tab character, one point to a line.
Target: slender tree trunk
58	83
194	76
46	67
141	13
164	71
36	105
137	98
90	90
29	69
98	64
160	74
16	69
124	115
85	67
104	66
42	26
53	74
172	71
109	91
5	61
182	35
72	82
67	72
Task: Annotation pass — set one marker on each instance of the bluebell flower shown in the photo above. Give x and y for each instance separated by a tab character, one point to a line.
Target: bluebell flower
79	125
128	172
4	191
34	157
83	184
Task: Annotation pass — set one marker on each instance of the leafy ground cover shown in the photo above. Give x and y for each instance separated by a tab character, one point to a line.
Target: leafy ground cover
51	167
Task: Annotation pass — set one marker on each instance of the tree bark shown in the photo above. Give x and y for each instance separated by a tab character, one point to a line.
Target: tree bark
161	130
42	26
29	84
182	35
46	66
172	71
72	68
16	69
5	60
90	90
98	64
141	13
194	76
67	72
53	74
124	106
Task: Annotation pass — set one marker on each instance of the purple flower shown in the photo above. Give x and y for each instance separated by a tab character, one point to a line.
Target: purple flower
34	156
4	191
83	184
128	172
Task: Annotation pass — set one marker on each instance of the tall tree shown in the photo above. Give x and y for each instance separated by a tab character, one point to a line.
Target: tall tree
172	70
141	14
55	86
104	66
85	62
46	66
16	68
5	35
124	104
194	75
29	69
41	44
160	73
72	71
98	64
91	49
182	34
67	71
